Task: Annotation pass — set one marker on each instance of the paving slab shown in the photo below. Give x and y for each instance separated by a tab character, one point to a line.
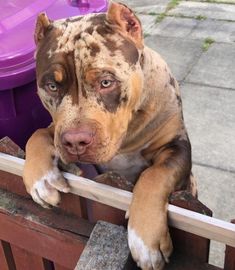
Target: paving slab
143	3
216	255
147	6
216	1
152	9
174	27
220	31
180	54
107	248
210	10
148	23
215	67
210	117
217	191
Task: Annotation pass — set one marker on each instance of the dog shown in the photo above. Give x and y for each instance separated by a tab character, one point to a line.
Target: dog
115	103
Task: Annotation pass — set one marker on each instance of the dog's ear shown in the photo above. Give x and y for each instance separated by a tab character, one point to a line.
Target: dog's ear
42	26
125	20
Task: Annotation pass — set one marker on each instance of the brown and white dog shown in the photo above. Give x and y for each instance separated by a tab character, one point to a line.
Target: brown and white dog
114	102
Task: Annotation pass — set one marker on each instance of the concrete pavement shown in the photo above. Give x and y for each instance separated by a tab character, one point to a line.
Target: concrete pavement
197	39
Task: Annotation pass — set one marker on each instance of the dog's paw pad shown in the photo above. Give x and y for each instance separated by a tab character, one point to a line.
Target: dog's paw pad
145	257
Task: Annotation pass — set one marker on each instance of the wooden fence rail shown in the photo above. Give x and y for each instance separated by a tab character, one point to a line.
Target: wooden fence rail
179	218
33	238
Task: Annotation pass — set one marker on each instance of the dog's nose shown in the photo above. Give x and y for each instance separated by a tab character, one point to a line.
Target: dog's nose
76	141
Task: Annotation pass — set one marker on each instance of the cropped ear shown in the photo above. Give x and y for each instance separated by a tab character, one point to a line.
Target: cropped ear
126	22
42	25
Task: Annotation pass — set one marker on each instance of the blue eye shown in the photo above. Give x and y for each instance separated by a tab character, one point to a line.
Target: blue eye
106	83
52	86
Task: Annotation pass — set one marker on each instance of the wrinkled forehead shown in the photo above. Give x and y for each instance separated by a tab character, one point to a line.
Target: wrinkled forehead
94	42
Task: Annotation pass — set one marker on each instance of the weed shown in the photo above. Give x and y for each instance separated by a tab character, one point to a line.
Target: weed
207	43
160	17
146	35
170	6
200	17
220	1
152	13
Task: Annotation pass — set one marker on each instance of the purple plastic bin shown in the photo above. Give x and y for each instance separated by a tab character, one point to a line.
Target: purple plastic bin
21	112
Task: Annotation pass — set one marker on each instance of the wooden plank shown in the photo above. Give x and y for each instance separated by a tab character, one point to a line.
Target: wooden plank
182	262
229	260
202	225
48	246
42	232
72	208
191	245
59	267
13	183
183	219
99	211
48	265
177	262
24	260
11	164
8	256
3	261
18	206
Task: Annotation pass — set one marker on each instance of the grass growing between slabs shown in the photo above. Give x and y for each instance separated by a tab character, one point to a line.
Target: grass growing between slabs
171	5
207	43
231	2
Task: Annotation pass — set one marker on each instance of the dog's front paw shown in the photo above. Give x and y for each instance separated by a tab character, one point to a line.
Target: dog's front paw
44	182
150	244
45	190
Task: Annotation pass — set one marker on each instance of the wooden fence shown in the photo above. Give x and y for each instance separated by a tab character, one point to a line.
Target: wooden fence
33	238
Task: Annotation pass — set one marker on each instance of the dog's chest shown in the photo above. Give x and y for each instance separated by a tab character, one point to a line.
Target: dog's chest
129	165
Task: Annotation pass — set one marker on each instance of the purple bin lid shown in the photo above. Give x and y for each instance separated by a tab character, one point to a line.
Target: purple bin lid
17	23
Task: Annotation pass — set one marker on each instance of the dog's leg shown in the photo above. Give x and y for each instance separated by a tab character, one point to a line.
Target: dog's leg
41	176
148	234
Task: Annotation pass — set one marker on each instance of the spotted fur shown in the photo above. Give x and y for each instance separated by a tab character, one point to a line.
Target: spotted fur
136	122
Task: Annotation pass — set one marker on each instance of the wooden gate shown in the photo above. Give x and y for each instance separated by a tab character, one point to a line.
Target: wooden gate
33	238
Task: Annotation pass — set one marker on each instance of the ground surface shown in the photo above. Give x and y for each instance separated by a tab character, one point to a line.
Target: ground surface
197	39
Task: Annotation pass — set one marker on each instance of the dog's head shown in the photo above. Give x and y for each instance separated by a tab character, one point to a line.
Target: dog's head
90	79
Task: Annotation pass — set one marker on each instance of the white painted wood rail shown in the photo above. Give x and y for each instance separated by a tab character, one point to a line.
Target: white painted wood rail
180	218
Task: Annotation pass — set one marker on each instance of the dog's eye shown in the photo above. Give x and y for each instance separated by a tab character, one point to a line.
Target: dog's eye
106	83
52	87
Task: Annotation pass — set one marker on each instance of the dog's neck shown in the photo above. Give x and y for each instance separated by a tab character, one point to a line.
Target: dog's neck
157	102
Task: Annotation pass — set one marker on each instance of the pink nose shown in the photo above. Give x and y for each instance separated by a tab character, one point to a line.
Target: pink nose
76	141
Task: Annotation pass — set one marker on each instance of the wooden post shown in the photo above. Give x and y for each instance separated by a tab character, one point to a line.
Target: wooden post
189	244
229	262
6	258
24	260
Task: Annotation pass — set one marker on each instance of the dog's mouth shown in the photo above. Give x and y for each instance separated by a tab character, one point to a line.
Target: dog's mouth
97	153
82	158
